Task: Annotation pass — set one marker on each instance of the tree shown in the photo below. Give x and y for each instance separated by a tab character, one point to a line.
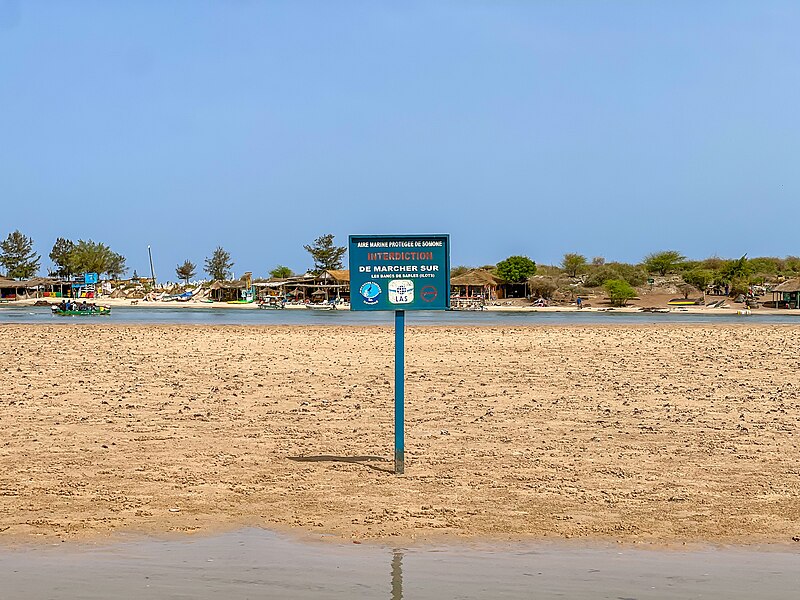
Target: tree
792	264
735	269
219	265
95	257
663	262
115	267
186	271
516	269
326	256
573	264
598	261
699	278
18	257
62	257
686	289
281	272
542	287
615	270
619	291
766	265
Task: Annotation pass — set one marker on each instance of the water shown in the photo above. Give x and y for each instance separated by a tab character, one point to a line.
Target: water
253	563
228	316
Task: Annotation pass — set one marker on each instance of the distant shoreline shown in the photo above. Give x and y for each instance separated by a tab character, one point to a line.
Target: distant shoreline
698	310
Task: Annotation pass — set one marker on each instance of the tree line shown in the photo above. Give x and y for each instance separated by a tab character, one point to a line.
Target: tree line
620	280
20	261
69	258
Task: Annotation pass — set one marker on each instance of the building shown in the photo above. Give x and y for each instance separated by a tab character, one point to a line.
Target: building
787	294
474	285
36	287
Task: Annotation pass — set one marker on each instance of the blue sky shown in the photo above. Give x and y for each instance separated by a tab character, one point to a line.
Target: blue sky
537	128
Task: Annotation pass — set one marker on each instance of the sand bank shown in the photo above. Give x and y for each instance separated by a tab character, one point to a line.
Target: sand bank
652	433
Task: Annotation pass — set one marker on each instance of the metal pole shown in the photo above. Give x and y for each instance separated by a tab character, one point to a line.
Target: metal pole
152	271
399	390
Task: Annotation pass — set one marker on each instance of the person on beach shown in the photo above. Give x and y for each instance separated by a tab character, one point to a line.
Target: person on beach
578	302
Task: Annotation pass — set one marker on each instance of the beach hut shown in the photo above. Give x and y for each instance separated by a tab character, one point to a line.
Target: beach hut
787	294
37	287
227	291
479	285
333	283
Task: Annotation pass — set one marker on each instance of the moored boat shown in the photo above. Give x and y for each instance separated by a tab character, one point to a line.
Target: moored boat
97	311
321	306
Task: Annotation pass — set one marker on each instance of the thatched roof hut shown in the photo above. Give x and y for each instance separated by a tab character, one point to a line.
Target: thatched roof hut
37	286
787	294
477	283
476	278
793	285
339	276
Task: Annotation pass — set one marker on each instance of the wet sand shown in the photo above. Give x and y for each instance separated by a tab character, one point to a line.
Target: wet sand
659	434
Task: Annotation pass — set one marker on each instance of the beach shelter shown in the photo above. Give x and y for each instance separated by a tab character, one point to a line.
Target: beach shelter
475	284
787	294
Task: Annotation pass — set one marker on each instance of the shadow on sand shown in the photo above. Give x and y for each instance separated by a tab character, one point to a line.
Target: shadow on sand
358	460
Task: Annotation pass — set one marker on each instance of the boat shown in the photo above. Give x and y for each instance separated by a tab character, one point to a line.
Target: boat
321	306
684	302
96	312
272	304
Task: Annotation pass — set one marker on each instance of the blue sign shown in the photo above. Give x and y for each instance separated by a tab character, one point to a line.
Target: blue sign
399	272
89	278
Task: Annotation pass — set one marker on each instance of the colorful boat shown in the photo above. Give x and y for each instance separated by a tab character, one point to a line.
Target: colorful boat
684	302
97	312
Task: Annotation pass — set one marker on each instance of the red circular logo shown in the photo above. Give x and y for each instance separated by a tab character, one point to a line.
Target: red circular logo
429	293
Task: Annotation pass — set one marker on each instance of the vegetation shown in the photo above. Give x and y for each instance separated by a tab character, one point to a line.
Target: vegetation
619	291
459	270
542	287
699	278
326	255
573	264
664	262
85	256
186	271
94	257
219	264
281	272
61	255
735	269
516	269
631	274
17	256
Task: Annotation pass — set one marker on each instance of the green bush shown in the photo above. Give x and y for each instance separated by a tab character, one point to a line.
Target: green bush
542	287
516	269
632	274
619	292
699	278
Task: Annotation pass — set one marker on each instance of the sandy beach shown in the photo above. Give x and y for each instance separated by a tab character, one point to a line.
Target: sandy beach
657	434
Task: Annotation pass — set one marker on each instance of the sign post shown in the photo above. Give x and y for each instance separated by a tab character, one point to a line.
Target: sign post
399	391
399	273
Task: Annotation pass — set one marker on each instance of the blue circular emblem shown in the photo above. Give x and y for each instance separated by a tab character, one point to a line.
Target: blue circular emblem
370	292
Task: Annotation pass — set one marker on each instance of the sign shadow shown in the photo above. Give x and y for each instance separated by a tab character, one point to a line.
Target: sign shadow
364	461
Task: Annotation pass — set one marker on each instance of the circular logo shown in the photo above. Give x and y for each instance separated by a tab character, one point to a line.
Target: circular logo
428	293
370	292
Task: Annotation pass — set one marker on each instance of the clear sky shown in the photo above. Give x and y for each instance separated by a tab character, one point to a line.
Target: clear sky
528	127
